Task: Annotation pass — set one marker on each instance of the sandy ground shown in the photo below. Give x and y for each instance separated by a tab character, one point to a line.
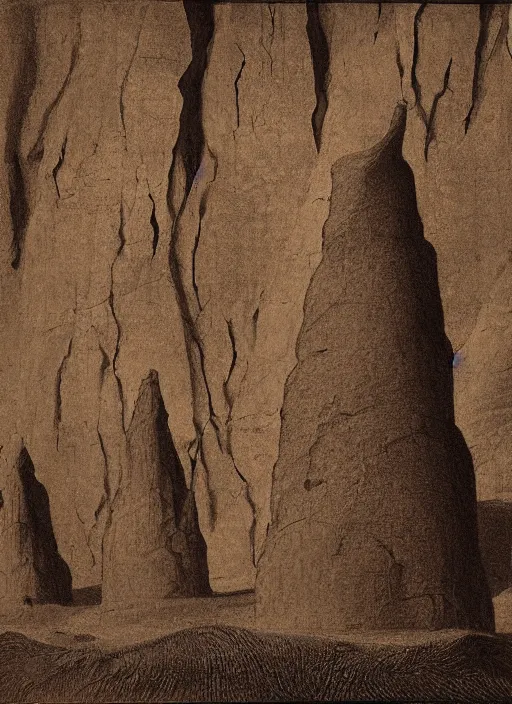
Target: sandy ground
93	625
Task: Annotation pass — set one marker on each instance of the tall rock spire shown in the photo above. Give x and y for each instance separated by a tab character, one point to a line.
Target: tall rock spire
373	500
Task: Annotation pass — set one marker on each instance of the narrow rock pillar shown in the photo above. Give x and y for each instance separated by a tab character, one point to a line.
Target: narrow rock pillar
32	571
153	547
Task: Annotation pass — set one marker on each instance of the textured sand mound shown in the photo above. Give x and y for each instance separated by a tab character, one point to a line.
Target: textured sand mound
229	664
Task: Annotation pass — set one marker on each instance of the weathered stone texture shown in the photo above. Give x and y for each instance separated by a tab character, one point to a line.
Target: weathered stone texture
373	498
165	181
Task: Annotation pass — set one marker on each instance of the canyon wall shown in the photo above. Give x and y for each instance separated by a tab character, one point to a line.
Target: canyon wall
165	184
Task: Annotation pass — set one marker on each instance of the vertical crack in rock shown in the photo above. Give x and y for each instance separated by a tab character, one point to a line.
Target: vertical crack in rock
164	555
197	239
401	70
190	142
36	573
154	225
416	87
272	12
190	150
237	79
37	151
58	165
320	58
58	395
509	32
122	241
124	83
229	397
373	494
105	364
480	64
379	12
21	92
430	133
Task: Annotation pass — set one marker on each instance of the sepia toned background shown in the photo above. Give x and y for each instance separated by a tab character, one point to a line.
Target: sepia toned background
165	184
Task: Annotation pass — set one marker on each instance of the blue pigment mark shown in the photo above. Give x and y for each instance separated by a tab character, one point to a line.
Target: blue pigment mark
457	359
199	172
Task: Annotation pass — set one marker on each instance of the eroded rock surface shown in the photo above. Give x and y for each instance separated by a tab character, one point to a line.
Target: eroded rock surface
165	181
153	548
373	498
32	570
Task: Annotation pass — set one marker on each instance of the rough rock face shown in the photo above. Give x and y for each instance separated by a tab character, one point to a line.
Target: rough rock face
32	569
165	181
373	498
153	548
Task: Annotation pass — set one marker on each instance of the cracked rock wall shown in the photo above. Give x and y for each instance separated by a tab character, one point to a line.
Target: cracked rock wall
165	182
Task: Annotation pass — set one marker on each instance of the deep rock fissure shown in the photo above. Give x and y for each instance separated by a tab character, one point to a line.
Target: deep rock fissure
21	92
430	135
58	395
415	58
320	58
486	11
154	225
237	80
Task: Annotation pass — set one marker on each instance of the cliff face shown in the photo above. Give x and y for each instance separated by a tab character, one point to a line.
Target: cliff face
165	184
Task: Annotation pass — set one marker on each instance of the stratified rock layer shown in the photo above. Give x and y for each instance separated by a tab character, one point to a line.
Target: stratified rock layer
153	548
373	499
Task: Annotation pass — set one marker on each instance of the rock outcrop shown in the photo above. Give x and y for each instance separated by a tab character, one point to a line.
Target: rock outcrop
165	182
373	498
32	570
153	548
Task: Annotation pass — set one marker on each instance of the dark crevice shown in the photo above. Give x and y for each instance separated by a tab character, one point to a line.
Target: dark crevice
21	91
400	67
190	141
234	356
255	317
154	224
58	392
250	501
53	578
120	232
379	12
479	65
320	59
105	499
237	79
169	459
58	165
37	151
197	239
415	57
189	150
122	242
430	135
272	12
